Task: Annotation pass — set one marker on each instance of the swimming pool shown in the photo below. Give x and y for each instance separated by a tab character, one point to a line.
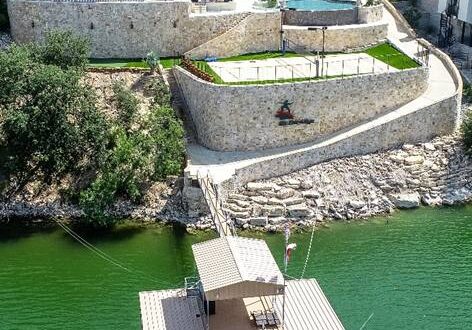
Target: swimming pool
319	5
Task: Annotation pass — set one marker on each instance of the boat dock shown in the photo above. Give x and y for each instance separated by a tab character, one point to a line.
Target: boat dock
239	287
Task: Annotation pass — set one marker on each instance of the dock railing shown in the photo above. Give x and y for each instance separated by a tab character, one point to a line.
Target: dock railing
224	225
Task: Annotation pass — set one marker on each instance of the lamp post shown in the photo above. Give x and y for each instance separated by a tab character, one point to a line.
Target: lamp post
323	29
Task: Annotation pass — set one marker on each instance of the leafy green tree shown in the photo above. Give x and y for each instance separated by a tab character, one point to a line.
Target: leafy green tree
65	49
159	92
50	125
127	104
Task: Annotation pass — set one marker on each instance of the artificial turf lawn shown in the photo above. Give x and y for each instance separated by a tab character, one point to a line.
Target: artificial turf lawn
390	55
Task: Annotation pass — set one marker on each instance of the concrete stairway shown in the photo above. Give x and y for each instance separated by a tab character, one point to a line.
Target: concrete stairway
179	105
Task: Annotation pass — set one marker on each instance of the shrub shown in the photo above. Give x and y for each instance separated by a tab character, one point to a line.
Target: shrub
167	134
152	60
159	92
467	93
128	165
127	104
65	49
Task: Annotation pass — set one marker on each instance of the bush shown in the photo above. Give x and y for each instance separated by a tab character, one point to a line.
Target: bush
467	93
127	104
65	49
127	167
167	134
159	92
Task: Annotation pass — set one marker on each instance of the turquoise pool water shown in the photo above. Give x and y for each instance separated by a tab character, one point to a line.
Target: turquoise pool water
319	5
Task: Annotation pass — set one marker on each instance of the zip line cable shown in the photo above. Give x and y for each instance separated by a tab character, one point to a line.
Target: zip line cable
107	257
365	323
309	250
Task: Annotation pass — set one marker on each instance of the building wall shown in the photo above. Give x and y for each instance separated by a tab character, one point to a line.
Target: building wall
230	118
121	29
338	38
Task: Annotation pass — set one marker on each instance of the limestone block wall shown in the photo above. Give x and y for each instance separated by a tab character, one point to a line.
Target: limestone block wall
256	33
230	118
338	38
417	126
122	29
370	14
321	17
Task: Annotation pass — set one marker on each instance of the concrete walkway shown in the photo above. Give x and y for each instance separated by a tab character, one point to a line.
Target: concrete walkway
221	166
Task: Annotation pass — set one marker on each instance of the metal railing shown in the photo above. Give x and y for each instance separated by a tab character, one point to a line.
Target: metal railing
224	225
314	68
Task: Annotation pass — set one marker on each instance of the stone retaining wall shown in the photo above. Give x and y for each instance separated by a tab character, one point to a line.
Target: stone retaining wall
122	29
356	15
230	118
440	118
338	38
370	14
321	17
257	33
433	173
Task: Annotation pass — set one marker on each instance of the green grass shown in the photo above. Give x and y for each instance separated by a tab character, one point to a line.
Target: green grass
390	55
117	63
166	62
169	62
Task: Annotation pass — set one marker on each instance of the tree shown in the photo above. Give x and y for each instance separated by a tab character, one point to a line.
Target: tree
65	49
50	125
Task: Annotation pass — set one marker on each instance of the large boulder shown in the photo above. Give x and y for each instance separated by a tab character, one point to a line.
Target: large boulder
406	200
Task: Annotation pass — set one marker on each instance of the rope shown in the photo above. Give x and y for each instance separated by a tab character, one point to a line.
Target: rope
365	323
107	257
309	250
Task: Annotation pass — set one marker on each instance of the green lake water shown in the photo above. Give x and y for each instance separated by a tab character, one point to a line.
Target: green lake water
412	272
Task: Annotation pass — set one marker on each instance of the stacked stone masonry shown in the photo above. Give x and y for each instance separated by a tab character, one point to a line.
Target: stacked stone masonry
233	118
433	173
132	29
337	38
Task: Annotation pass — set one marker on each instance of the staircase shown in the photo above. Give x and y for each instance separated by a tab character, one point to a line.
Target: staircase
179	105
224	225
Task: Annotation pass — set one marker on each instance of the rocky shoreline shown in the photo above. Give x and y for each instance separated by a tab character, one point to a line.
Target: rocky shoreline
436	173
433	174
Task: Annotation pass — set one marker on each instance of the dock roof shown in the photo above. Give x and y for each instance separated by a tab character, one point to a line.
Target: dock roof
170	310
237	267
306	307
